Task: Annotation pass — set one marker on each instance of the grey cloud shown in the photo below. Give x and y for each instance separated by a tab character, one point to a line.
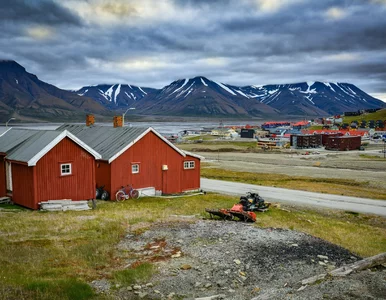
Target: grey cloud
41	12
257	48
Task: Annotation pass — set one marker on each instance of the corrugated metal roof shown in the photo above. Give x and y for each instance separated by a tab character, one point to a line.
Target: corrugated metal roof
13	138
24	144
4	130
107	141
33	145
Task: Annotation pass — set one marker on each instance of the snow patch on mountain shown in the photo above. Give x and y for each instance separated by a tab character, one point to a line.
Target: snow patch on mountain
225	88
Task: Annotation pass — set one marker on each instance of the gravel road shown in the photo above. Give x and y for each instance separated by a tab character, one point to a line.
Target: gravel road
234	260
362	205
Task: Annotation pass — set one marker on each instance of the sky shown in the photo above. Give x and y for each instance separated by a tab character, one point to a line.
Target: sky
150	43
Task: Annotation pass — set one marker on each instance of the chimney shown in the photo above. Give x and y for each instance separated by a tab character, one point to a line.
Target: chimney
90	120
117	121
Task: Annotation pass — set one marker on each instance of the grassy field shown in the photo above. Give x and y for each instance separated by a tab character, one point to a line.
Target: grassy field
378	115
335	186
55	255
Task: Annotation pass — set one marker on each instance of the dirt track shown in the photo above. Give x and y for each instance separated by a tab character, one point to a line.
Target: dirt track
332	165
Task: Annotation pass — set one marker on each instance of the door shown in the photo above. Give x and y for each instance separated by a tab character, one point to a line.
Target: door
8	175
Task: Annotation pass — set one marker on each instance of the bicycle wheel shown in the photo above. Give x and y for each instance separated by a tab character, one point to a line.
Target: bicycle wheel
120	196
134	194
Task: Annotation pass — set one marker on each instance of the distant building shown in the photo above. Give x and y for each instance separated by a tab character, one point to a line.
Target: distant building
247	133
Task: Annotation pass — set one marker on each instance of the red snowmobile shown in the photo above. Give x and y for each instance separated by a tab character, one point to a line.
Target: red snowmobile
244	210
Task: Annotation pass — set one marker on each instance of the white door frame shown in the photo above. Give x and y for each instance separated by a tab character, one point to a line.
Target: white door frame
8	175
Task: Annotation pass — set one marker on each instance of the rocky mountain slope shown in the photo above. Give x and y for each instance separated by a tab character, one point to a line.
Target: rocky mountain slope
23	95
200	96
116	95
313	98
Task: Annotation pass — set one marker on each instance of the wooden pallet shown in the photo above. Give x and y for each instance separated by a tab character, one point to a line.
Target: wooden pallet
64	205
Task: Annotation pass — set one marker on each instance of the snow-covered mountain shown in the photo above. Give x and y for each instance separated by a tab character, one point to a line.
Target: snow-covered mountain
116	95
200	96
312	98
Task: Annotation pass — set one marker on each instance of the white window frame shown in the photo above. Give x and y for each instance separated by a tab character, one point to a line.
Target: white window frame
65	171
134	168
189	164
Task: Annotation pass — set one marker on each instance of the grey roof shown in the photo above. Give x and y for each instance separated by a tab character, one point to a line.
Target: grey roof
107	141
13	138
4	130
23	145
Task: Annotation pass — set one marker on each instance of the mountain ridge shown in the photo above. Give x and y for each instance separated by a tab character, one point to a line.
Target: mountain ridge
24	94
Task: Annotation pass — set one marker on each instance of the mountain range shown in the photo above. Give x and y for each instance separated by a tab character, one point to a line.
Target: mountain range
23	95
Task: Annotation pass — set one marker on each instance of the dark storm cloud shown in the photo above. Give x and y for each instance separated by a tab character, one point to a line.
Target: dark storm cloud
236	42
42	12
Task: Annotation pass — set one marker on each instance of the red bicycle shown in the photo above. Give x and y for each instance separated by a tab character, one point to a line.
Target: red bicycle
126	192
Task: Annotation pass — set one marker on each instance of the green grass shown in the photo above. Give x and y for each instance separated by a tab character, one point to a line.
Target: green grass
140	273
206	137
347	187
378	115
372	157
55	255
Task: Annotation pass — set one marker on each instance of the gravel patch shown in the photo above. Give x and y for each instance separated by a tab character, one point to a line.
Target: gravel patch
233	260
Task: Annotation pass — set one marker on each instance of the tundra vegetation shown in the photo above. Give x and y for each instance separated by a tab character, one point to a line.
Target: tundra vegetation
56	255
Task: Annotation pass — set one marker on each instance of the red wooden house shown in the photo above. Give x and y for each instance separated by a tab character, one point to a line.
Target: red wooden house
41	165
139	156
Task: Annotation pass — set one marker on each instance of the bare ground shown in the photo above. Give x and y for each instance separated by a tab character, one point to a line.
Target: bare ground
238	261
324	165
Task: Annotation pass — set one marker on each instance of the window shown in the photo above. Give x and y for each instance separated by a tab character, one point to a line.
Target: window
189	165
135	168
65	169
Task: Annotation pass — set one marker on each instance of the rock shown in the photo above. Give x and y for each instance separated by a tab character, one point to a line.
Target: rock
231	291
221	283
157	292
294	245
142	295
301	288
149	284
180	241
171	295
137	287
322	257
129	288
208	285
322	263
197	284
214	297
154	247
178	254
242	273
237	262
186	267
227	272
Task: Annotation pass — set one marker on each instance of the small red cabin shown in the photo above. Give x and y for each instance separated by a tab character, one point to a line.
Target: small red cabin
41	165
139	156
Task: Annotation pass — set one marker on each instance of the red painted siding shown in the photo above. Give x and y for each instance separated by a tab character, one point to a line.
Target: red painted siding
80	185
103	175
191	177
23	192
2	177
151	153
